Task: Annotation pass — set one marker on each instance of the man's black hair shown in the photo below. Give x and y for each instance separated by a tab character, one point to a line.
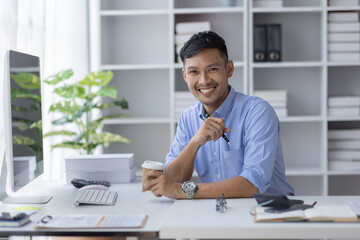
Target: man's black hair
203	40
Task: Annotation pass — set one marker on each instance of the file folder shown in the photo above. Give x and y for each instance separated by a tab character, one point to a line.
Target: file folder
260	43
274	42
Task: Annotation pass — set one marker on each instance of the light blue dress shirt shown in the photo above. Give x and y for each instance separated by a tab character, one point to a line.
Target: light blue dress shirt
255	152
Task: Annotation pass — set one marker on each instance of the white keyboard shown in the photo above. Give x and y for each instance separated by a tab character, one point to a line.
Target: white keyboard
97	197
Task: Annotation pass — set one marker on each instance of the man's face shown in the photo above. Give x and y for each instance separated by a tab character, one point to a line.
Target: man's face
206	74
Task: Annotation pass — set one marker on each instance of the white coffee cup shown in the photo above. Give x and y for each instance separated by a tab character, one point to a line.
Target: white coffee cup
151	165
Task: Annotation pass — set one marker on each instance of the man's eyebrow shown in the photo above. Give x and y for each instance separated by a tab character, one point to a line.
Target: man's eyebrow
210	65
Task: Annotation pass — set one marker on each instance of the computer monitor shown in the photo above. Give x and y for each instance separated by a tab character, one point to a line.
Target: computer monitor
23	125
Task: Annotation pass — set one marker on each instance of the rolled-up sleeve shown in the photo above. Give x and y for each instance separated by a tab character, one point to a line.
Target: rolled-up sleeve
180	142
261	139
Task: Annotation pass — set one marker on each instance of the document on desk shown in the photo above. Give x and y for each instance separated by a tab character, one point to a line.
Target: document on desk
92	221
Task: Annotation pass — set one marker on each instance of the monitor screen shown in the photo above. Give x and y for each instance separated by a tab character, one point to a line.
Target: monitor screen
23	120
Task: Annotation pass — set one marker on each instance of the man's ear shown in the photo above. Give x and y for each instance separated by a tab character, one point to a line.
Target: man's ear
184	74
230	68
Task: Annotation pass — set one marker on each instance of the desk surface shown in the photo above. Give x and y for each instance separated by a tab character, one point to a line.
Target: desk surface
130	201
198	219
181	218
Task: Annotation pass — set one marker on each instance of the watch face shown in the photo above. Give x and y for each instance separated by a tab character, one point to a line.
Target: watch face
189	186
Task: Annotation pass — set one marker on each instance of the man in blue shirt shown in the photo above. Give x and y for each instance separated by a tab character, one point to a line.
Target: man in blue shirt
250	162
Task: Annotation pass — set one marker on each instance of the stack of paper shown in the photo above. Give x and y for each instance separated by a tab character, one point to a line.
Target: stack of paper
344	106
183	100
115	168
344	149
344	36
277	99
184	31
267	3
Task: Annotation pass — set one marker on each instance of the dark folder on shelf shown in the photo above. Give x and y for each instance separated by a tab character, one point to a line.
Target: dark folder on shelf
260	43
274	43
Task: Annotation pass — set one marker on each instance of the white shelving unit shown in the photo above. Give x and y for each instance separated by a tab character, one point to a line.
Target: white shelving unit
135	39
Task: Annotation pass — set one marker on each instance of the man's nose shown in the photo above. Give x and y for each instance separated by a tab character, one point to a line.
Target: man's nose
204	78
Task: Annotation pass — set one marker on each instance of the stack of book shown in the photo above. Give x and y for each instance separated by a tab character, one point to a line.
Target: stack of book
344	149
13	219
344	36
115	168
277	99
183	99
184	31
267	3
343	3
344	106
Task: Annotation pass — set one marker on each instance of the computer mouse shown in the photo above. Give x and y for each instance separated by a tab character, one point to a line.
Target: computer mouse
95	187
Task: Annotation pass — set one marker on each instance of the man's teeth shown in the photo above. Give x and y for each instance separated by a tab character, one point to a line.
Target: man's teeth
206	90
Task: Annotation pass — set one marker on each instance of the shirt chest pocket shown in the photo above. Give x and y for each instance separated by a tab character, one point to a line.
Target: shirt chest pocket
233	162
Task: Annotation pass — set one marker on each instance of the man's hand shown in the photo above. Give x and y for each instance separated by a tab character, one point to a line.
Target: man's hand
211	129
161	185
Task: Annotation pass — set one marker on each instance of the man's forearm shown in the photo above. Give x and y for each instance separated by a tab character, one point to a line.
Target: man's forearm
235	187
181	169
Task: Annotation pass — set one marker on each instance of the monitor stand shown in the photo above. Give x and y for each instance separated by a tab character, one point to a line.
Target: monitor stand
5	198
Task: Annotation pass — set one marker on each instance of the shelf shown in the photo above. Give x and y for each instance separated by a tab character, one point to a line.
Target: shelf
109	13
343	173
137	121
341	119
208	10
303	172
301	119
236	64
116	67
336	9
342	64
287	10
287	64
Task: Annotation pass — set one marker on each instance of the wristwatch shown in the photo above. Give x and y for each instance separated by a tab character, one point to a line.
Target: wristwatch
189	188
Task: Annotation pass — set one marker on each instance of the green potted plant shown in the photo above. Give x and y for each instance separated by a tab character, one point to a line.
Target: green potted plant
79	101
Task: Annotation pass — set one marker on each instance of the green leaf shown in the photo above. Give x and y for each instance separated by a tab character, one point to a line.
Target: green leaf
26	80
99	78
107	92
23	140
106	138
68	144
37	124
61	132
59	77
15	94
118	103
71	91
112	116
66	107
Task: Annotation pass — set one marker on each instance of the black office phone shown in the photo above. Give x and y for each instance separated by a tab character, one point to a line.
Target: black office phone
79	183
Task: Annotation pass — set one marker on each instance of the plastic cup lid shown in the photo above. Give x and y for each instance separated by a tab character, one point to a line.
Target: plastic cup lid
153	165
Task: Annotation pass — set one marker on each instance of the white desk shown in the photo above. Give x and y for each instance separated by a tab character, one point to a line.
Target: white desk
188	219
198	219
130	201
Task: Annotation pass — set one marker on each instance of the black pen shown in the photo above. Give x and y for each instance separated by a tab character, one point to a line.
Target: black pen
223	135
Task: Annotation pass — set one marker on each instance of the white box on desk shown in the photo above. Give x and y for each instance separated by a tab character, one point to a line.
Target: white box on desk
120	176
101	162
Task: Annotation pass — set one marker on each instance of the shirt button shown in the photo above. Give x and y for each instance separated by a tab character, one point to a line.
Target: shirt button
218	176
215	153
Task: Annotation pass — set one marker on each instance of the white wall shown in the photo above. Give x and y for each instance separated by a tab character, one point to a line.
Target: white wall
57	32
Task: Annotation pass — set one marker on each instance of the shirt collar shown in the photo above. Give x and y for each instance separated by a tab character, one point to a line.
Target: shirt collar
224	109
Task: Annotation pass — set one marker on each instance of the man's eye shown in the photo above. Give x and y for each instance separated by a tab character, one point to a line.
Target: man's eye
192	72
212	69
